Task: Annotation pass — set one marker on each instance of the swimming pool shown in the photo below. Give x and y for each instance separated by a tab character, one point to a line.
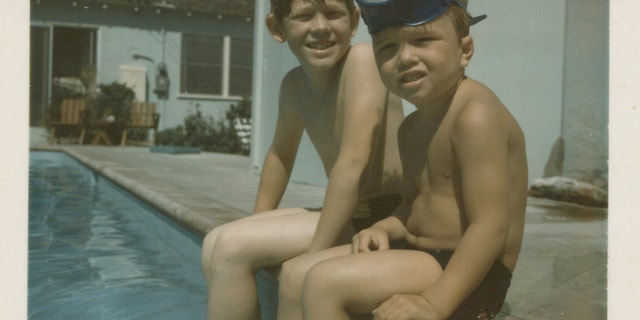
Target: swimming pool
96	252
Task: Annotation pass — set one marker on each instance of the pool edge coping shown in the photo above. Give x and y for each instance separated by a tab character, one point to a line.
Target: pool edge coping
198	221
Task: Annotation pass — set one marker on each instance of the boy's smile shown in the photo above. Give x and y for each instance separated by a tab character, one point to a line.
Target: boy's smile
421	63
411	78
318	35
320	45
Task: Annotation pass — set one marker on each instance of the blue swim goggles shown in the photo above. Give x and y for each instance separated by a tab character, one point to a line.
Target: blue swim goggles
381	14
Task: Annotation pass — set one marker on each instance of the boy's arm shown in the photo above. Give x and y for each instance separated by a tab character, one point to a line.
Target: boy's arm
395	226
365	98
380	234
281	156
480	146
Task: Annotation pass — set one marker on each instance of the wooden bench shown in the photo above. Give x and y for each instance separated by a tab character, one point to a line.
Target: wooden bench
72	114
143	115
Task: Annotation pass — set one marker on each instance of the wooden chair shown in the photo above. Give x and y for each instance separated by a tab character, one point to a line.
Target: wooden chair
142	115
72	112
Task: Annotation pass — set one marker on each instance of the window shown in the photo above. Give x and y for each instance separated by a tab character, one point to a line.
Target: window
241	71
216	66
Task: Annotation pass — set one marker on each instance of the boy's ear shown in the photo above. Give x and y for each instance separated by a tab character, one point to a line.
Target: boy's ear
355	20
467	47
275	28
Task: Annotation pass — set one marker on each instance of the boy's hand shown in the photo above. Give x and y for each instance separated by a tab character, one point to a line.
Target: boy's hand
370	239
405	307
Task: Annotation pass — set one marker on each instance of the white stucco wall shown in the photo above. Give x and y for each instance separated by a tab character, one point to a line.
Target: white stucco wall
520	54
586	106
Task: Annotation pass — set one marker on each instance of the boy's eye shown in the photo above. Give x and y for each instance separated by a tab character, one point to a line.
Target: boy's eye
385	48
302	17
423	41
334	14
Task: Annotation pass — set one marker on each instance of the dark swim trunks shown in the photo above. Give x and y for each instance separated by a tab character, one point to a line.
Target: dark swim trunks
374	210
487	299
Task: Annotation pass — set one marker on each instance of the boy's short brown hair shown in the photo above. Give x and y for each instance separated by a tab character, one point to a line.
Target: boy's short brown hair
460	18
282	8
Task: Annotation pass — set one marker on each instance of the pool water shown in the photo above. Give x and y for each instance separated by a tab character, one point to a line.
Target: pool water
96	252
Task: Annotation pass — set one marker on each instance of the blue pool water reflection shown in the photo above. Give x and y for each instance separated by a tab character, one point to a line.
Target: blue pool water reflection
96	252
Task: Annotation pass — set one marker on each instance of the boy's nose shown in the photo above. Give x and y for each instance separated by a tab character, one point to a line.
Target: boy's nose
319	24
406	55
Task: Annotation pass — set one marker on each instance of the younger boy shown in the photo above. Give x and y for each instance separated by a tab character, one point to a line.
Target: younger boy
336	95
456	238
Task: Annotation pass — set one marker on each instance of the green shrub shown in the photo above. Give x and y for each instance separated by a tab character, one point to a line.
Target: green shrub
207	133
172	137
115	100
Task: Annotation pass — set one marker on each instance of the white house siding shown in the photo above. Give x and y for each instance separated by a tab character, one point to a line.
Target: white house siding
121	33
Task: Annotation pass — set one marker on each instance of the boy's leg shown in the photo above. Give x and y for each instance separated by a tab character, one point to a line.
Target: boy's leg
292	279
245	245
210	238
359	283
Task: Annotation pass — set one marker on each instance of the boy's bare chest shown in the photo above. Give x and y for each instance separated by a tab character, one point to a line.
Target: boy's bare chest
429	160
434	212
322	119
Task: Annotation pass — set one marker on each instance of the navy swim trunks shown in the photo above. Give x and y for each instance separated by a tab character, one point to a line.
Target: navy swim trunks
487	299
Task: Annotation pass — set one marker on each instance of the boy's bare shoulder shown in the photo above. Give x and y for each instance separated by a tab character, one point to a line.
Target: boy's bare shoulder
478	106
360	60
361	50
477	102
292	84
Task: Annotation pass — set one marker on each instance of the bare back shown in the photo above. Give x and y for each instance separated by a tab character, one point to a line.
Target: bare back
328	112
445	192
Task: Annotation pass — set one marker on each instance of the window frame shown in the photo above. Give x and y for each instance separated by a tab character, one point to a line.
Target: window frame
225	72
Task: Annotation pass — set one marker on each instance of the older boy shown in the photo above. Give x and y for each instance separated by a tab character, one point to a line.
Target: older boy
336	95
465	175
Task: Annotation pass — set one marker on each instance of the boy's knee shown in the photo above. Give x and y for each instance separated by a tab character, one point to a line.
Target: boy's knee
319	281
291	278
291	270
222	246
227	243
209	241
322	290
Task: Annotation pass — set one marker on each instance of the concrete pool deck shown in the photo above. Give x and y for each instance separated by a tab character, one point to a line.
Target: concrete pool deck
562	271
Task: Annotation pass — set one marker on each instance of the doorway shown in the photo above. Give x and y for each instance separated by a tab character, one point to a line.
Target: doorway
63	64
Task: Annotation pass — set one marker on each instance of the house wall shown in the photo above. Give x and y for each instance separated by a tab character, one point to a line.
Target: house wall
121	33
519	54
586	99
